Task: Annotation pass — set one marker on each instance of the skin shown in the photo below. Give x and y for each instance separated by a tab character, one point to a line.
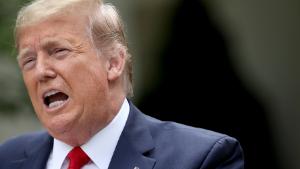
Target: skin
57	54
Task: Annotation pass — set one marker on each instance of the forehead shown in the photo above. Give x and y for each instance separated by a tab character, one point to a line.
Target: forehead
69	28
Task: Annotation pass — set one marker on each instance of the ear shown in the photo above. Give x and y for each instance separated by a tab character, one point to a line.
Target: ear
116	63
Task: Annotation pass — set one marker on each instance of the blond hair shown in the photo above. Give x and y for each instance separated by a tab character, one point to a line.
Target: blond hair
105	25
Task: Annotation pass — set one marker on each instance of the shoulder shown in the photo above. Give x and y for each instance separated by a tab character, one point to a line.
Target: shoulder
176	130
194	147
16	147
186	135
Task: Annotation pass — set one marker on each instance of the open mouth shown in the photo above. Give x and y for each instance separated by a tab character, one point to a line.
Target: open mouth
55	98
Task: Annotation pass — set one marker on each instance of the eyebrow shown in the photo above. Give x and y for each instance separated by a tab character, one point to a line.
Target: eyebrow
23	53
46	43
52	42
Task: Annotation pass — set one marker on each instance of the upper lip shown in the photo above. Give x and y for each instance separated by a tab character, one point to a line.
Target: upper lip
50	92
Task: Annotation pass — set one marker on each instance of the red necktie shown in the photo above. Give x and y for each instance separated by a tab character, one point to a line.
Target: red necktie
78	158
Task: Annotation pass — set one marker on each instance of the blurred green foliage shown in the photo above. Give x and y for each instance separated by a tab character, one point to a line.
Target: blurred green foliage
13	98
8	13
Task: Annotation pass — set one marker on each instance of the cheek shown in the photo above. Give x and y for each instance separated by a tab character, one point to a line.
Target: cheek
32	90
92	83
90	71
87	80
31	87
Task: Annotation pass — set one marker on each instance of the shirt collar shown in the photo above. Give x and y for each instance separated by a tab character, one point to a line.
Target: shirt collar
101	146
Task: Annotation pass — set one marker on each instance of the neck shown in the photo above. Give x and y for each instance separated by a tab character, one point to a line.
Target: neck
87	131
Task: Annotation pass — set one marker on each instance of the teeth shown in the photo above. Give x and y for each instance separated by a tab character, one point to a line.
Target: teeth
50	93
56	104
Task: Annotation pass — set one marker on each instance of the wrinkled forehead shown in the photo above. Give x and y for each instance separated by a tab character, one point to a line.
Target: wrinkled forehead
64	27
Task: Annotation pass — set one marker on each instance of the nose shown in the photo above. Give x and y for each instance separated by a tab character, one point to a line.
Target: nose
44	69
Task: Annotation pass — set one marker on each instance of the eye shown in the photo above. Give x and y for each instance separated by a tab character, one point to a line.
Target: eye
28	63
60	52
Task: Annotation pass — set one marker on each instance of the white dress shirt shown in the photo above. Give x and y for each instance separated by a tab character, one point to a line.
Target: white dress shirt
99	148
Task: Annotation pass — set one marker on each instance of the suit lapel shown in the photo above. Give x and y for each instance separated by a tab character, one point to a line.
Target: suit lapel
134	144
37	153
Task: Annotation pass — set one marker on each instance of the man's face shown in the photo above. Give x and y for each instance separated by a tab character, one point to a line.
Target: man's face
65	78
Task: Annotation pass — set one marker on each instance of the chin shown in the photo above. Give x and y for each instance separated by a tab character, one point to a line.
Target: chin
68	135
60	124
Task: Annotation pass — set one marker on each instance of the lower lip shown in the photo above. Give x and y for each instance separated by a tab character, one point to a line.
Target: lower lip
58	108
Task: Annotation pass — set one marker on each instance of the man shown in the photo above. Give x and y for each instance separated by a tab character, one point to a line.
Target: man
77	70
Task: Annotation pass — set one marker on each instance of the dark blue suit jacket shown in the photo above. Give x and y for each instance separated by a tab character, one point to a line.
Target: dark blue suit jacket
146	143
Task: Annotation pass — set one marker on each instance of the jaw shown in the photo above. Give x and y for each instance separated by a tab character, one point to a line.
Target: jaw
80	116
71	130
66	127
